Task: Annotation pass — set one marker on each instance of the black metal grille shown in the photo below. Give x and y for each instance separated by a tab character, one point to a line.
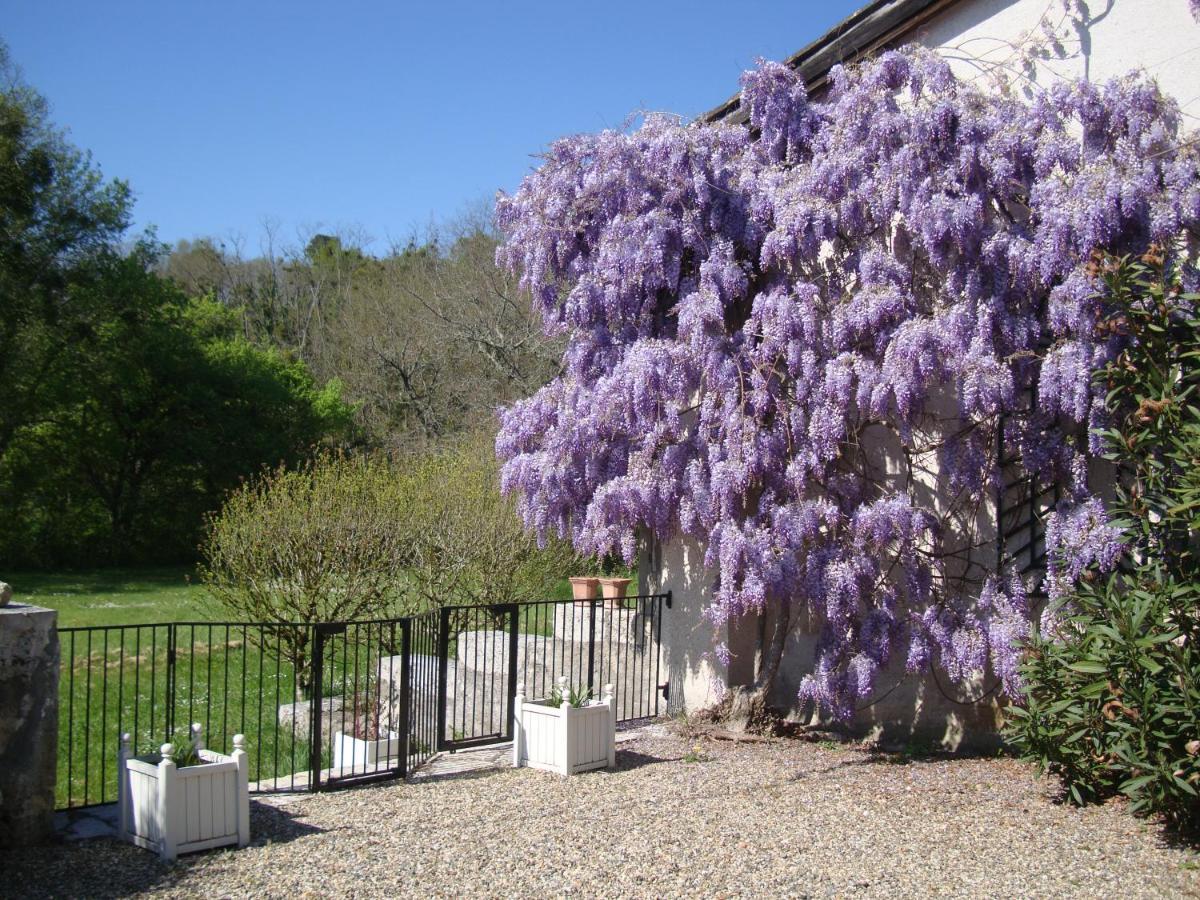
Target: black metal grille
334	703
1022	504
488	652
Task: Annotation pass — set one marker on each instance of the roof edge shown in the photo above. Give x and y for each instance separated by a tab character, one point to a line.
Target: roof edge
863	31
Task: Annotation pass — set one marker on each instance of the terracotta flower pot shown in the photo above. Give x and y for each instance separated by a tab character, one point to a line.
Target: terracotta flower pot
585	588
613	590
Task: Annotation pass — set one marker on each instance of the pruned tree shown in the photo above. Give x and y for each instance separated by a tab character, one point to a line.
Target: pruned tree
317	543
465	542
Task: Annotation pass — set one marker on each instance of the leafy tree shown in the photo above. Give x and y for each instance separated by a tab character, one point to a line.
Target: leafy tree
200	268
435	338
161	407
56	212
428	339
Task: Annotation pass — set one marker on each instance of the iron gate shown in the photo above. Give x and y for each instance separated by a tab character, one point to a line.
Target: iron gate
336	703
487	653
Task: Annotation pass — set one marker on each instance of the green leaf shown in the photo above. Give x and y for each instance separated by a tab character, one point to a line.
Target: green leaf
1133	785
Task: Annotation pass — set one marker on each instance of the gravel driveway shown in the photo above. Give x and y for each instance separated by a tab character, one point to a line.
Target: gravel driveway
784	819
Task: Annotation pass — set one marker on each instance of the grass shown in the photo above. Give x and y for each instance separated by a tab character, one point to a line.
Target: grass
141	595
116	596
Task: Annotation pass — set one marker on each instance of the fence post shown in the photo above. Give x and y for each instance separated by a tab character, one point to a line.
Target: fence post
443	673
123	803
514	614
405	691
169	698
591	645
664	688
315	710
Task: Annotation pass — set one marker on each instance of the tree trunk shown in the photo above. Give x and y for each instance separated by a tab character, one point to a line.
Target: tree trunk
748	705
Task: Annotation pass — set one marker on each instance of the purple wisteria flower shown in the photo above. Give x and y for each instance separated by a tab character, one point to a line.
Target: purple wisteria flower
1078	537
802	343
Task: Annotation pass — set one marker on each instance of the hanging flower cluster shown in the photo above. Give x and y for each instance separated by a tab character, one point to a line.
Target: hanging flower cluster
802	342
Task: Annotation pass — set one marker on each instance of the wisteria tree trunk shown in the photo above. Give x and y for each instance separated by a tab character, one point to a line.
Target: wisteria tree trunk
749	707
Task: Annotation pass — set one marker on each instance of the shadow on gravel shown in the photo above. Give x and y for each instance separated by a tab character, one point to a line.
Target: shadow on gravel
276	825
106	868
902	758
880	758
100	868
439	777
631	759
1167	834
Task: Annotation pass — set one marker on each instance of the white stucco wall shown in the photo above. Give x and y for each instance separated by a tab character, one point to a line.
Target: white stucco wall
1157	36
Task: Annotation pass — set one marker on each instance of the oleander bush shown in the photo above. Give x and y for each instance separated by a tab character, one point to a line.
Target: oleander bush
1112	674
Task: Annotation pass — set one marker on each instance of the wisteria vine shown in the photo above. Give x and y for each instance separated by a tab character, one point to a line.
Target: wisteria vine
802	342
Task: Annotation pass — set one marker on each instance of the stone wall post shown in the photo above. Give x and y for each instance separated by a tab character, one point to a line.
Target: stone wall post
29	660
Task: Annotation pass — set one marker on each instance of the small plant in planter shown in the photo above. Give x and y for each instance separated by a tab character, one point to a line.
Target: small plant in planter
184	798
575	697
368	743
565	732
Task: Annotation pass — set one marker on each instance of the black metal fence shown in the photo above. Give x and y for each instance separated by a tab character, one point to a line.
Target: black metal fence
333	703
487	653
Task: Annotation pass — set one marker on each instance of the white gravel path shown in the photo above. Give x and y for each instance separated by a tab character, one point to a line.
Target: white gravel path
784	819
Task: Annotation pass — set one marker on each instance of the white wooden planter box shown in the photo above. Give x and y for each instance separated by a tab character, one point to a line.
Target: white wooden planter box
350	752
171	810
564	739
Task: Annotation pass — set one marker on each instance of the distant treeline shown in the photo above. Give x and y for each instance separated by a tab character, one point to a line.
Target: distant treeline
139	383
426	339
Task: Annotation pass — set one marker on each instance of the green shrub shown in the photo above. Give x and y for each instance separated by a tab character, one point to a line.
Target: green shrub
343	538
1113	695
319	543
465	541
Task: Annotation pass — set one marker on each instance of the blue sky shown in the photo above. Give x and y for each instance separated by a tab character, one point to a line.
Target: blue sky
380	116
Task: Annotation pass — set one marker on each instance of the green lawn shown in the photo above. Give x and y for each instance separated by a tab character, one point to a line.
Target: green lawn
115	680
134	596
117	596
